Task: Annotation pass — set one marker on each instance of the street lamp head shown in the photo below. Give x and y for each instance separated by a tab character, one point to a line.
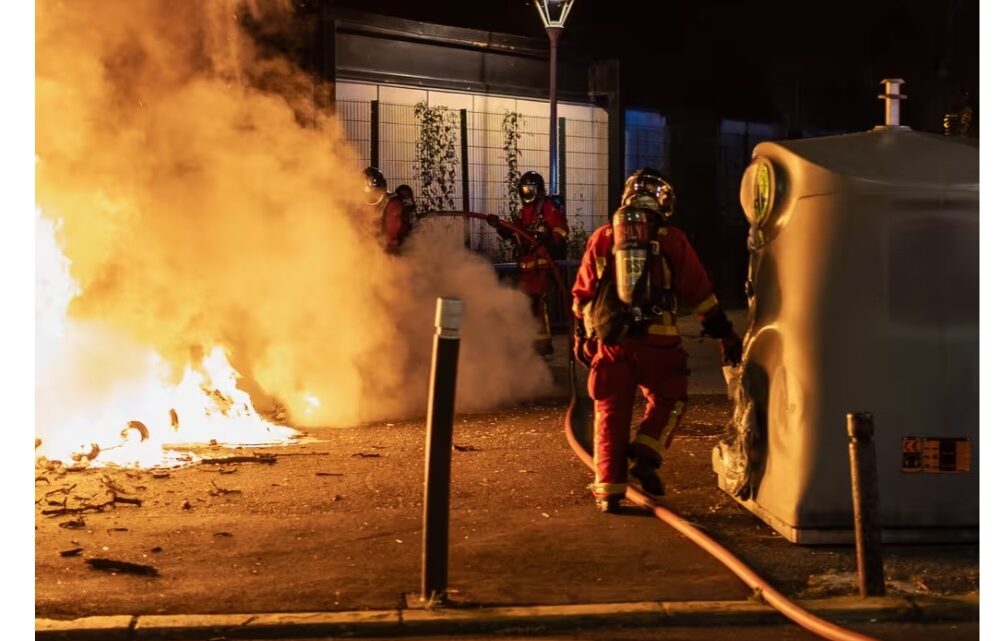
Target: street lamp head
554	12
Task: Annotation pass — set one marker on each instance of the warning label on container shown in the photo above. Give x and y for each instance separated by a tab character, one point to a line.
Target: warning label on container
943	455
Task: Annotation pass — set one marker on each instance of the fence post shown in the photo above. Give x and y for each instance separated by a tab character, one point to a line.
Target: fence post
464	128
563	171
438	450
374	133
865	504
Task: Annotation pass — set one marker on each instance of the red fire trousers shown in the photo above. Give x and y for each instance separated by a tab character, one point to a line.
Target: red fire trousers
659	370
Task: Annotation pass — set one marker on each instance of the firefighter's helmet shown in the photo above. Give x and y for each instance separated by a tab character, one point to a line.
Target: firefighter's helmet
531	186
648	188
374	185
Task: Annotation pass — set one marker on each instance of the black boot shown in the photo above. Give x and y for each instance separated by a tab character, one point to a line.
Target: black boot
610	504
646	472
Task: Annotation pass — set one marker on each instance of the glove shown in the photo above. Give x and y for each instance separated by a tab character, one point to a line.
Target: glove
717	325
731	349
582	345
494	221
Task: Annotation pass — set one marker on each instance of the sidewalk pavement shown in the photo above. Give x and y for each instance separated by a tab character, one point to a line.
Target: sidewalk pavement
404	622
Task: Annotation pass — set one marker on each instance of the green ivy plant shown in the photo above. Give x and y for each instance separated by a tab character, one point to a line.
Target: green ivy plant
436	161
512	134
576	243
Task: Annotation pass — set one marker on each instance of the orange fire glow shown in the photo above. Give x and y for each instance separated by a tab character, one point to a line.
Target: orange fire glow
135	418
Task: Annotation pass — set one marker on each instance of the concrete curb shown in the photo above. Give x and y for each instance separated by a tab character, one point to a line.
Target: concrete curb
466	620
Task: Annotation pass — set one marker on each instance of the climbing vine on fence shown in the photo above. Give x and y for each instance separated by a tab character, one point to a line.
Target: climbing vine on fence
436	161
511	134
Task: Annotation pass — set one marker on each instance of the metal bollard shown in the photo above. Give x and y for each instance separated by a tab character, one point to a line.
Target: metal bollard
865	504
438	449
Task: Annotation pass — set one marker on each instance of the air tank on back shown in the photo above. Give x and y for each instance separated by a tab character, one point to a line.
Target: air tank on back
863	296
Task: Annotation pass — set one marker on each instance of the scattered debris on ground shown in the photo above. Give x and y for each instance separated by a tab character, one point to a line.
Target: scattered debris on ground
267	459
74	524
365	455
219	491
124	567
465	448
71	552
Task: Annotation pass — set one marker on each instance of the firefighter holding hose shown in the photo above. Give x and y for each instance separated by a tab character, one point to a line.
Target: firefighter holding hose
634	272
542	216
392	211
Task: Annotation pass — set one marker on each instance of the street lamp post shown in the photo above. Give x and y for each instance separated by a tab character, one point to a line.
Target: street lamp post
553	15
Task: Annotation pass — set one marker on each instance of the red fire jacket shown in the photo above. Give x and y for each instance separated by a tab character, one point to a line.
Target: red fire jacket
548	225
396	224
679	270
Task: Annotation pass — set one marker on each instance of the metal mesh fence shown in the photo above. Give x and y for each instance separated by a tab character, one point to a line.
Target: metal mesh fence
355	119
481	147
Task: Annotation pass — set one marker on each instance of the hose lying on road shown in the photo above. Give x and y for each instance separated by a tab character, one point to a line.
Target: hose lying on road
577	422
770	595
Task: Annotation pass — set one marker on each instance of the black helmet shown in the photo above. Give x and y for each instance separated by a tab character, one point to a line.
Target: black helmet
375	185
648	188
405	194
531	186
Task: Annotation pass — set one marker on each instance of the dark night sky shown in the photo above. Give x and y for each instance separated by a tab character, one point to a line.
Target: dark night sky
757	59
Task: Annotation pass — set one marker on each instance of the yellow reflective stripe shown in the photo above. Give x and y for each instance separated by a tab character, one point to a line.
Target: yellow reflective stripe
658	329
707	305
648	441
663	231
666	274
559	230
577	308
609	488
677	411
542	261
526	265
601	264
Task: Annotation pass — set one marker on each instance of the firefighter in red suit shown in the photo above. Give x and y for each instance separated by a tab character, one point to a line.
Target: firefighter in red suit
392	210
634	272
542	216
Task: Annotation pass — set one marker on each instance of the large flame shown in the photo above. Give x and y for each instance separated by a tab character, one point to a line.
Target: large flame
211	218
104	399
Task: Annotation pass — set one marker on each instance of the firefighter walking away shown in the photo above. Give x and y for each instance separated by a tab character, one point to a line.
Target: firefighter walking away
542	216
634	272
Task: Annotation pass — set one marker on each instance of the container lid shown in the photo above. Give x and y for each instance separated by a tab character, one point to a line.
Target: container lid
893	157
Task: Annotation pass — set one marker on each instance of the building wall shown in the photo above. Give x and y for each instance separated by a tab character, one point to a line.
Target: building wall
584	147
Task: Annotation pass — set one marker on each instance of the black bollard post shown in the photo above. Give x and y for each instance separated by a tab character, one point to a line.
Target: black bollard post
438	450
865	504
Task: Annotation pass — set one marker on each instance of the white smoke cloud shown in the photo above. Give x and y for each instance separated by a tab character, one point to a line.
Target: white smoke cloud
206	201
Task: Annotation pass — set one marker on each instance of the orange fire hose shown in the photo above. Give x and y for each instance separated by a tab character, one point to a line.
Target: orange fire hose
576	414
770	595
